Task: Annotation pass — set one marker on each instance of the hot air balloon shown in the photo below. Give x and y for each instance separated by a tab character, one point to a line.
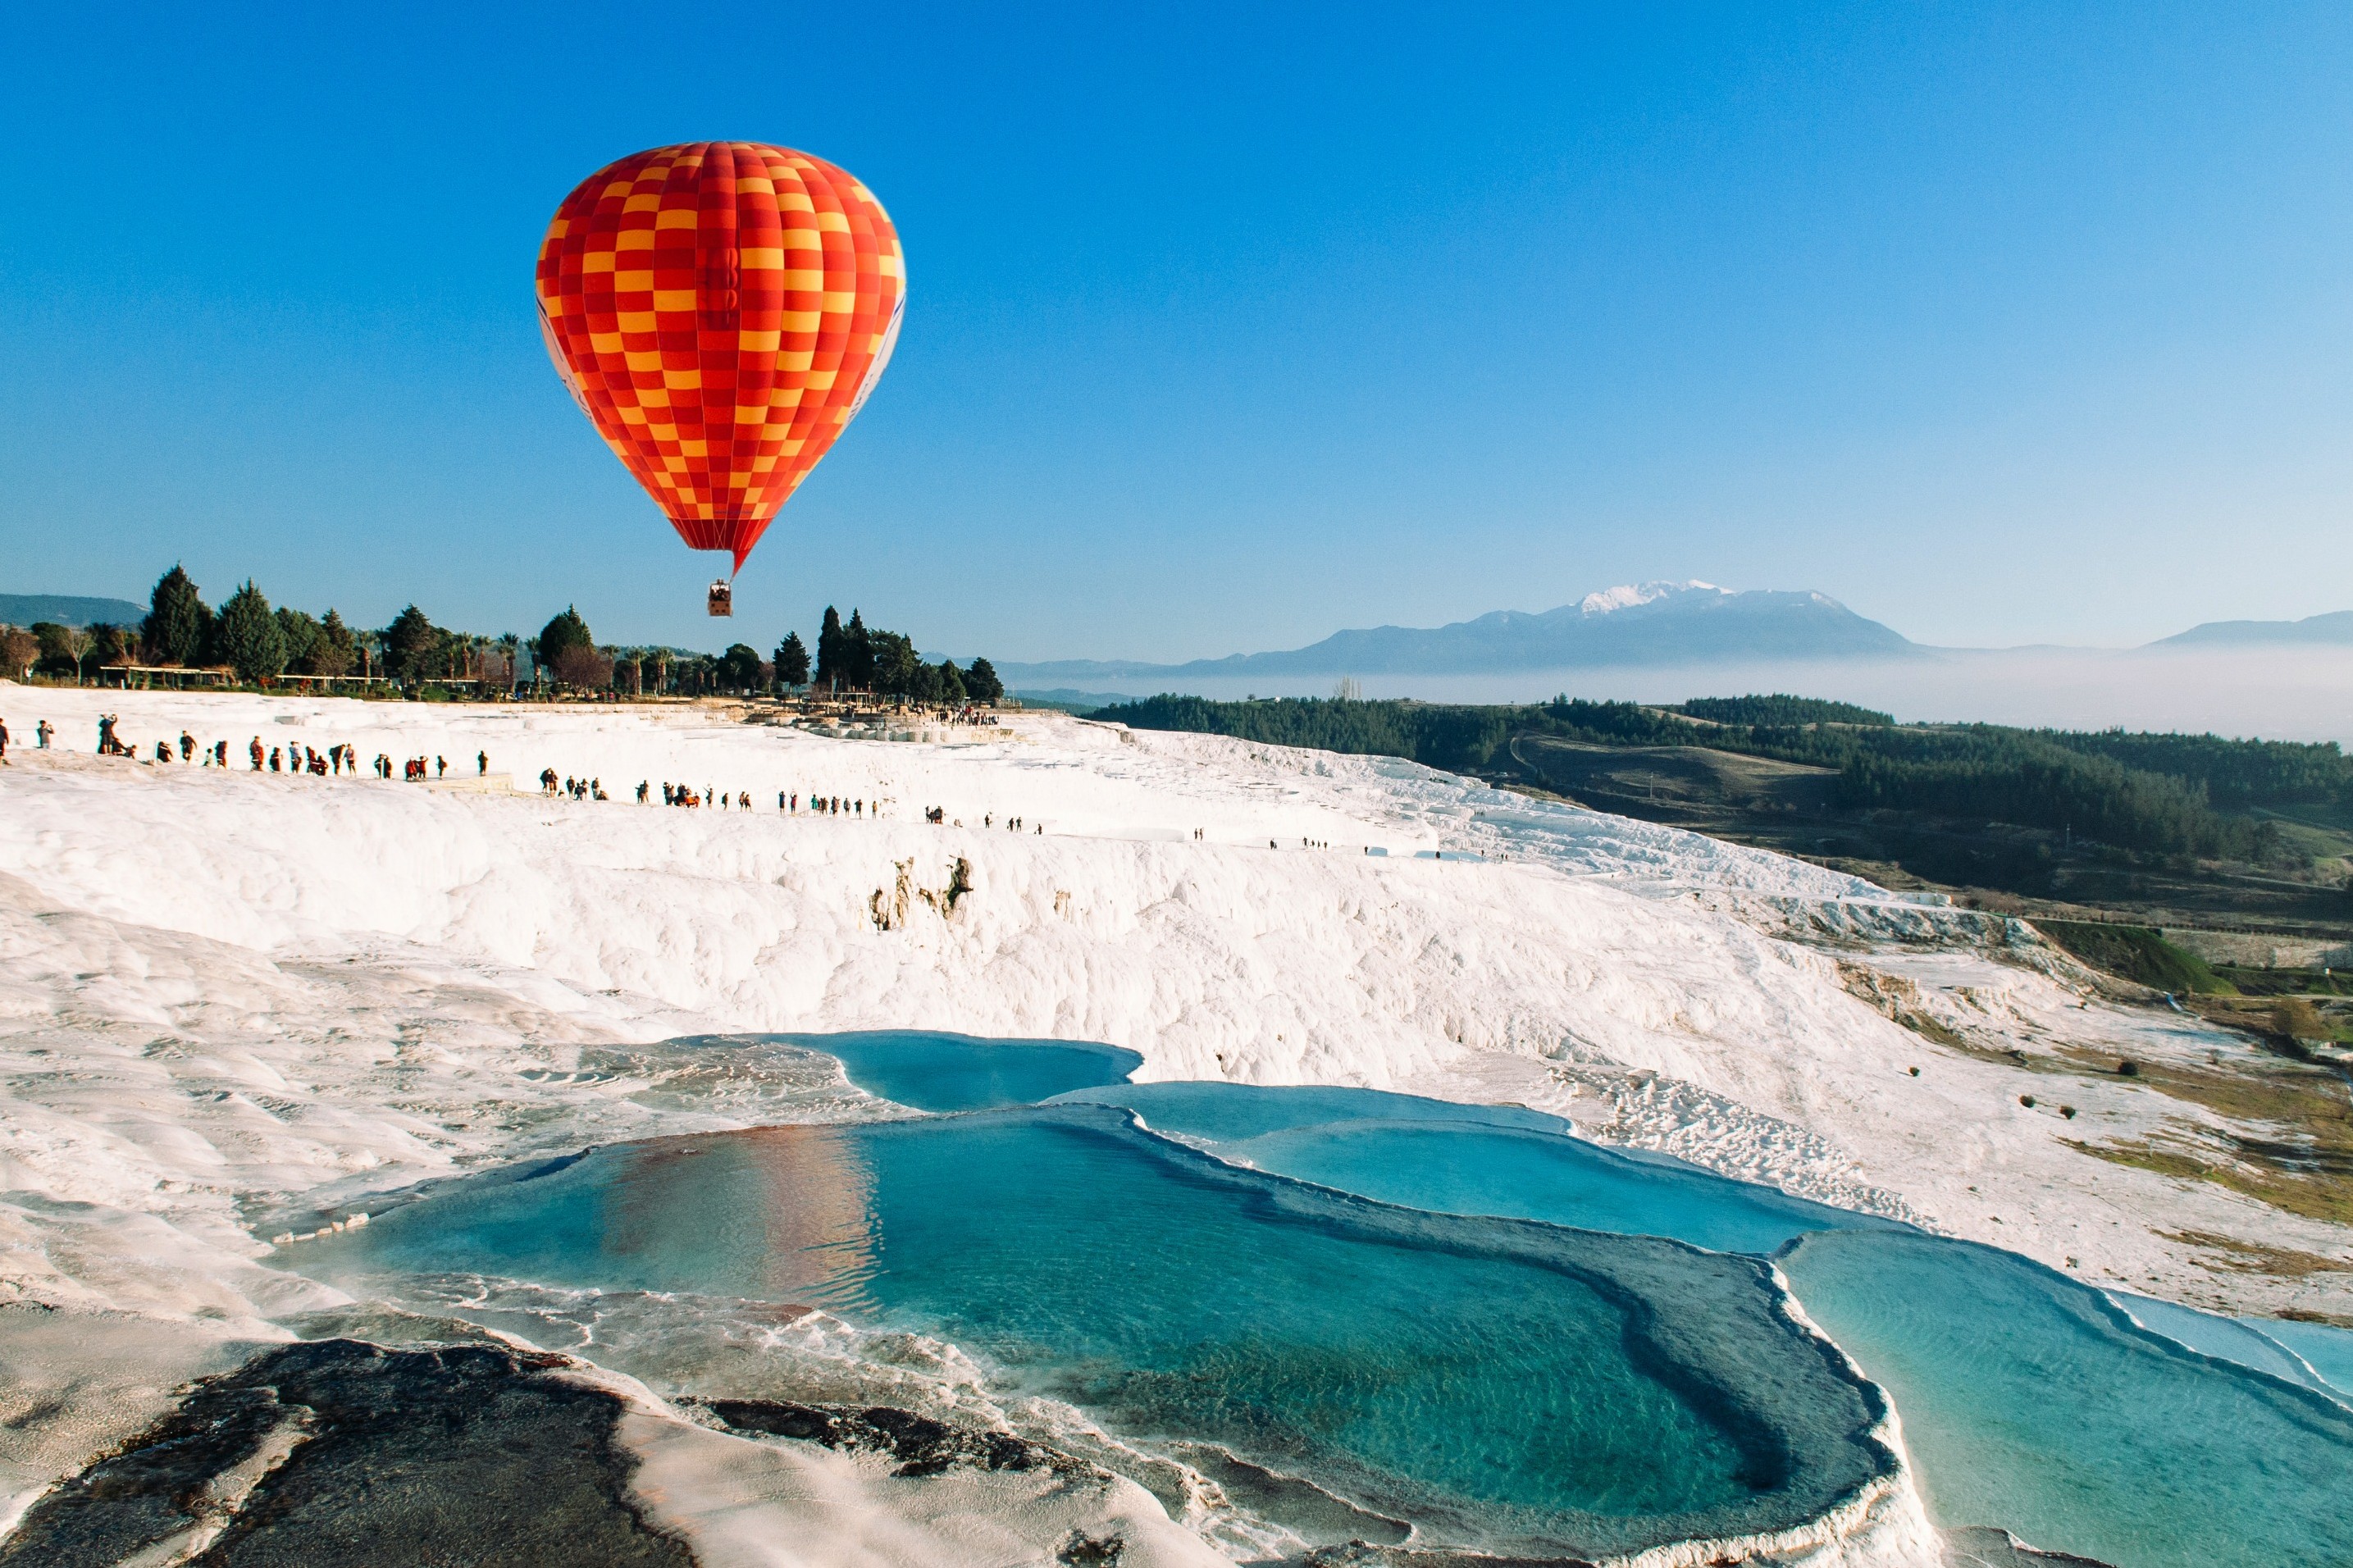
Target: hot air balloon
720	311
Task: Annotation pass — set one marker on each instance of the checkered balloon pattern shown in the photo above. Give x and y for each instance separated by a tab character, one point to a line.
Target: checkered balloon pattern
721	310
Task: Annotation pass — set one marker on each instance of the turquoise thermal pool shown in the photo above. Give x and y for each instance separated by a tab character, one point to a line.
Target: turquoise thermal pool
2027	1400
1462	1321
1494	1383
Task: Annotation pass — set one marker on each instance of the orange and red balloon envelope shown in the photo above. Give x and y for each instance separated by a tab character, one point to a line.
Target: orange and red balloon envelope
721	310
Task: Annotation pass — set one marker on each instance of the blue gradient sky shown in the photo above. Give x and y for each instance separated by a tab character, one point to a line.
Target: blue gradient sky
2002	324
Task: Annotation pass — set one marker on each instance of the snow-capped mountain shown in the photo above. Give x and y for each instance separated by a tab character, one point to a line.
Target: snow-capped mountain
1636	624
1633	596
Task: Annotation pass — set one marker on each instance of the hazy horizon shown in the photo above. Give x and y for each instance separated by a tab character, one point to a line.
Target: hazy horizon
2272	694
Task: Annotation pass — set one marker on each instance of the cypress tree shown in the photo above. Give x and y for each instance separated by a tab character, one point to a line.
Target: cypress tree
249	634
175	631
857	655
829	649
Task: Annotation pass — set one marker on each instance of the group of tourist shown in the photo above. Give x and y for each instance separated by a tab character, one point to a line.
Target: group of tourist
575	789
416	770
311	760
688	796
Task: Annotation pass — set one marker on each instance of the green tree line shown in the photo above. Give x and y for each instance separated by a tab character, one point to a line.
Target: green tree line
2163	794
262	643
853	657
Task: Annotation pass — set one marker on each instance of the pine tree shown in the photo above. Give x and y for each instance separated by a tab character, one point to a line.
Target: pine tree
894	667
175	631
739	668
249	637
792	661
411	647
951	687
57	656
982	683
829	649
565	632
300	635
333	652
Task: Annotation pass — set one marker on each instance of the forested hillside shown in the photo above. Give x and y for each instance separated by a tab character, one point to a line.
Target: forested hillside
2183	796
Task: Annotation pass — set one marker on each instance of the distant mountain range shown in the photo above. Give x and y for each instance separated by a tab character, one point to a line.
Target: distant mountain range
68	610
1645	625
1650	624
2337	626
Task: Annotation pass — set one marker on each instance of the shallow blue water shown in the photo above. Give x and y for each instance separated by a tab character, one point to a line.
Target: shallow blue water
2026	1398
2251	1344
959	1073
2028	1401
1502	1384
1477	1379
1473	1159
2327	1351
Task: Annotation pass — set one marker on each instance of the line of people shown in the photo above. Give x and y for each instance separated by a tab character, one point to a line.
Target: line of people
293	757
303	759
789	803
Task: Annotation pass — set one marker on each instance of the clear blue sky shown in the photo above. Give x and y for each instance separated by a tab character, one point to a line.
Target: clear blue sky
1227	327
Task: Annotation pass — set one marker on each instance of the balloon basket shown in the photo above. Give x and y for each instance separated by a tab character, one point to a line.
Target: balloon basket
722	598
